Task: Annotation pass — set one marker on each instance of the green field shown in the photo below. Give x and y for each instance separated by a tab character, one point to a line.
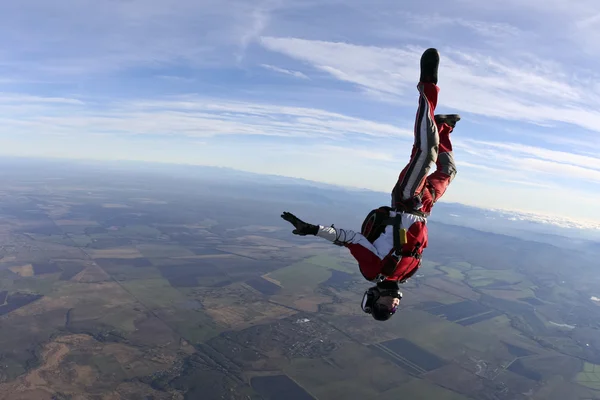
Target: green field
480	282
134	231
421	389
332	263
453	273
461	265
163	251
301	276
44	284
589	376
337	376
154	293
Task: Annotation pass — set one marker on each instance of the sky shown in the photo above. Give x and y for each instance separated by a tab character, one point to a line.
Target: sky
316	89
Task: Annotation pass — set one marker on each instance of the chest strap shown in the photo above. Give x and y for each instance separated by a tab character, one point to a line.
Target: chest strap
397	252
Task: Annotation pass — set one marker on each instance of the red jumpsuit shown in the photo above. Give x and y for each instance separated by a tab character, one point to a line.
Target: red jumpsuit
431	146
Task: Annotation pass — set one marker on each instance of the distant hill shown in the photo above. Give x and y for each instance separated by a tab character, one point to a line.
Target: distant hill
288	191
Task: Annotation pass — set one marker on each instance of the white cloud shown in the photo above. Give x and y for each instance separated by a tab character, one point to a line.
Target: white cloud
562	157
296	74
109	36
436	21
259	18
17	99
461	164
528	162
185	116
557	220
558	169
385	70
525	89
528	183
174	78
354	154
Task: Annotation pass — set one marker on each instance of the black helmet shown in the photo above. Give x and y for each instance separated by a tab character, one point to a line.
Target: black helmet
378	311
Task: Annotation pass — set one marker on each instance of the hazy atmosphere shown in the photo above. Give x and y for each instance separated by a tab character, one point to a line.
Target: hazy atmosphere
323	90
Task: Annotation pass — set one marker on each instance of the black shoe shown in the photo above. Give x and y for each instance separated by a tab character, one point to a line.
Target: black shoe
450	119
430	61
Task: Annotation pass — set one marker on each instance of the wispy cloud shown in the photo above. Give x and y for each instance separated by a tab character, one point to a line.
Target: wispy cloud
491	30
561	157
559	169
517	90
19	99
188	116
352	153
536	164
295	74
557	220
174	78
529	183
259	18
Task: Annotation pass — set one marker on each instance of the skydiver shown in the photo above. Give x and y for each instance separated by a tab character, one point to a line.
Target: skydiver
392	239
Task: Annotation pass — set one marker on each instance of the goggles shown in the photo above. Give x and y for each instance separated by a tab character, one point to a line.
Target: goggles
373	293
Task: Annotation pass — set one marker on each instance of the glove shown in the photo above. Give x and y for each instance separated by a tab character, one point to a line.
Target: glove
302	228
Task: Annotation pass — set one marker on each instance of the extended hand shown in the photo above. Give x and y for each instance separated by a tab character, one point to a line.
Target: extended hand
302	228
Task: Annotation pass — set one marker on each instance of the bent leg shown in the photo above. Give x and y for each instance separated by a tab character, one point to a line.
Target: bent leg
438	182
425	148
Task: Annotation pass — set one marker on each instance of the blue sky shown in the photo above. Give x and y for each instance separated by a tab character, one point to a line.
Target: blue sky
323	90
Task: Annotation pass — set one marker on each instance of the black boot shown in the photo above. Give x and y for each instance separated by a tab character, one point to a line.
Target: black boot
430	61
450	119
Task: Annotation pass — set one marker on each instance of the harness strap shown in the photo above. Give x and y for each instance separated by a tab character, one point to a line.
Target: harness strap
397	252
397	227
417	213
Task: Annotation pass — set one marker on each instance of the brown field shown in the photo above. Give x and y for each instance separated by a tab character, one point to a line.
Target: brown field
147	201
153	250
252	252
453	377
57	374
120	252
96	299
514	295
456	289
237	314
261	241
206	256
341	374
416	295
91	274
421	389
235	317
268	278
115	205
24	270
75	222
310	303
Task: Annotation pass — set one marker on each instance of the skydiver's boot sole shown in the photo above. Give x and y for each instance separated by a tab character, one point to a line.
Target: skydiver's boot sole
430	62
450	119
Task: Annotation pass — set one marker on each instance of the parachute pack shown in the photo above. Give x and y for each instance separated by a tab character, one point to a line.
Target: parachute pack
376	222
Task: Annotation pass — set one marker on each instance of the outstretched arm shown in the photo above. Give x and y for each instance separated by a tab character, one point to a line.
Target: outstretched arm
345	237
339	236
369	260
